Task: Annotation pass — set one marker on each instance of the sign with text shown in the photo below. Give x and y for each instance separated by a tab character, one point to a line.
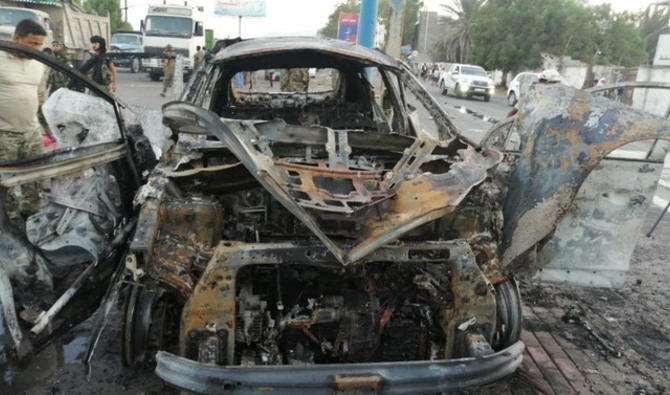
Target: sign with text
239	8
347	27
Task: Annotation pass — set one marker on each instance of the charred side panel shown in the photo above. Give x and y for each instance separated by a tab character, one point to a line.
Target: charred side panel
565	134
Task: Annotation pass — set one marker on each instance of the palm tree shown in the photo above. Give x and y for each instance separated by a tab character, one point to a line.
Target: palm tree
460	15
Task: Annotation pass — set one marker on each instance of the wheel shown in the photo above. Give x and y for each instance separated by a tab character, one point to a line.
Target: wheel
457	91
511	99
487	98
134	65
154	76
508	301
150	324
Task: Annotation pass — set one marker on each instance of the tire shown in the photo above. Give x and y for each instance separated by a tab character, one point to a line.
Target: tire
154	77
487	98
508	301
511	99
135	65
457	91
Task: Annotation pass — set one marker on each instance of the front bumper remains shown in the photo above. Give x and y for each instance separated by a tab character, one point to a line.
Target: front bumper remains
412	377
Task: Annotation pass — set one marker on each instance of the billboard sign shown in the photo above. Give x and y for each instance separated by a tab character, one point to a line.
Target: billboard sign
239	8
347	27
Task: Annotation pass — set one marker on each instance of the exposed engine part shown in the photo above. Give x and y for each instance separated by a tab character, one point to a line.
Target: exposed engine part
376	314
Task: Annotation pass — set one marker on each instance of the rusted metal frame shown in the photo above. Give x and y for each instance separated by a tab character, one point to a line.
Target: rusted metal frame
448	130
412	160
474	309
398	103
423	199
211	307
259	168
13	176
318	196
418	201
566	137
263	47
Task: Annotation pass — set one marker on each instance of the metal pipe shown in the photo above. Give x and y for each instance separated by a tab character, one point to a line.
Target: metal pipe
367	24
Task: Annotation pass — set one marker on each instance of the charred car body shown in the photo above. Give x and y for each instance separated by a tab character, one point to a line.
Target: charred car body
57	264
323	241
320	240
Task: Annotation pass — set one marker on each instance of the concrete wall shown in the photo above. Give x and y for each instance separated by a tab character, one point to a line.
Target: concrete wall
655	101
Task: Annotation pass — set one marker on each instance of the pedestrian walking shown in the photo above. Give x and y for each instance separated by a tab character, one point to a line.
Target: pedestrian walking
99	66
22	92
169	60
198	57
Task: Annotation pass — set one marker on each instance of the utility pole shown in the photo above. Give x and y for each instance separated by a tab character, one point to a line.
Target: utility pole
396	27
125	10
367	23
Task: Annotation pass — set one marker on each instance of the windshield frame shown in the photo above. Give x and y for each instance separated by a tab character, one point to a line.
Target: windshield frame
137	37
155	33
474	71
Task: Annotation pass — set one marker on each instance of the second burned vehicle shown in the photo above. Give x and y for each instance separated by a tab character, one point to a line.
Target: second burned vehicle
324	241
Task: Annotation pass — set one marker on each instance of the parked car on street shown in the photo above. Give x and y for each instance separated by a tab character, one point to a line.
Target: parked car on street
519	84
465	80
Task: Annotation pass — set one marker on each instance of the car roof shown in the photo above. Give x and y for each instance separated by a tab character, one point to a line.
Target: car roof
310	50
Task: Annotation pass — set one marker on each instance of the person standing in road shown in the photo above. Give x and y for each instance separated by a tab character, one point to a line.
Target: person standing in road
57	79
169	60
294	80
22	92
198	57
100	67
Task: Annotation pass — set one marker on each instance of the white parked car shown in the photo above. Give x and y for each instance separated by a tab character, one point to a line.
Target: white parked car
519	84
466	80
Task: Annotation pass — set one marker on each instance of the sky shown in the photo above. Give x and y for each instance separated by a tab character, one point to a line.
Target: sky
302	17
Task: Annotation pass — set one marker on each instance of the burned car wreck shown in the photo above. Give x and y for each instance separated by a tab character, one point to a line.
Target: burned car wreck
58	263
324	241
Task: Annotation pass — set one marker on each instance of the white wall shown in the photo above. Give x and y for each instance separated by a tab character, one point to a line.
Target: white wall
655	101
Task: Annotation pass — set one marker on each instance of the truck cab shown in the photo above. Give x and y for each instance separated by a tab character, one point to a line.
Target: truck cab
179	26
130	44
11	16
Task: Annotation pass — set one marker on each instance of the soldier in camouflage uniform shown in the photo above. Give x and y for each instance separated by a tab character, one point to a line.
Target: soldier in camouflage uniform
22	92
58	80
169	60
294	80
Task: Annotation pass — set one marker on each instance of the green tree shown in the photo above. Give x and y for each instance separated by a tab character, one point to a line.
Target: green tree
653	23
457	42
410	19
111	8
512	38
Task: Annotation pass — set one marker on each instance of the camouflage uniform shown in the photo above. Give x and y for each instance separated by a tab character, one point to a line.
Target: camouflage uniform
168	70
17	146
57	79
294	80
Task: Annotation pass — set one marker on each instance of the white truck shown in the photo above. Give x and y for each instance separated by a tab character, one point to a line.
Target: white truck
466	80
64	21
180	26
